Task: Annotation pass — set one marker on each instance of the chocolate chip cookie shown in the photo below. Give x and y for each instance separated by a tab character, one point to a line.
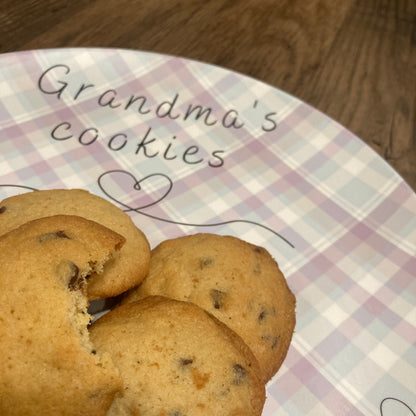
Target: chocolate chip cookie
178	360
48	364
131	263
239	283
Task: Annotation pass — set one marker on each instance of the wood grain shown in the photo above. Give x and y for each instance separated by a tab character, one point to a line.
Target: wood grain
353	60
375	94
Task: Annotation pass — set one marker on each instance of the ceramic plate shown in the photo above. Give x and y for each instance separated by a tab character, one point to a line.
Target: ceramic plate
187	147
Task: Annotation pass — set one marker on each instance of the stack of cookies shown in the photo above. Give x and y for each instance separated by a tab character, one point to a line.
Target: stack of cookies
205	321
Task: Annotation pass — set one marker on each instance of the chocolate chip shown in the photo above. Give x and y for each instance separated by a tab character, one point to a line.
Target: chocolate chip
271	340
76	282
185	361
218	298
52	236
262	315
2	209
259	250
239	374
224	393
208	261
275	341
61	234
175	413
94	352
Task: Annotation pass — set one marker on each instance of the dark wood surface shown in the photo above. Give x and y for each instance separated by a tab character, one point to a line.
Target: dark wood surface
353	60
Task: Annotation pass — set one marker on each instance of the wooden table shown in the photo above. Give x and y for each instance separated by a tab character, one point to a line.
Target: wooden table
354	60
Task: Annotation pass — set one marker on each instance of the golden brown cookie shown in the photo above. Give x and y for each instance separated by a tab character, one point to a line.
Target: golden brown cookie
131	263
239	283
48	364
178	360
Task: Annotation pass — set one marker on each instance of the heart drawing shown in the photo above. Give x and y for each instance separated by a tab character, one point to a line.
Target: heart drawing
150	190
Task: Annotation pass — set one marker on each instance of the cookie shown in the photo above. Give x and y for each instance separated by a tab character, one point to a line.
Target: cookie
178	360
239	283
48	364
131	263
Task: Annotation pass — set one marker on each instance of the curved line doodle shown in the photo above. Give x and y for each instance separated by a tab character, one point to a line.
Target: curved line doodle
137	186
395	400
29	188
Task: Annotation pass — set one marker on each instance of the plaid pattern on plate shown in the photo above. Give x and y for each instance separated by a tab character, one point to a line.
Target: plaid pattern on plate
187	147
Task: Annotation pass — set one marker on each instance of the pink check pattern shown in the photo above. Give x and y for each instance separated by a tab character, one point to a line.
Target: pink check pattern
228	154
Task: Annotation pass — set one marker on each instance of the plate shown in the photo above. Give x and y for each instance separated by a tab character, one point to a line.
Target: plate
186	147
